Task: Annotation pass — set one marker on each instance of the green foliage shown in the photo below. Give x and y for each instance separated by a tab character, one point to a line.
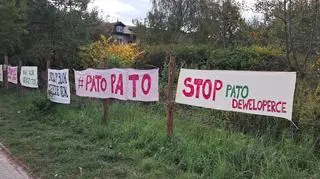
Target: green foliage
115	62
206	57
40	105
11	25
72	143
248	58
307	108
293	26
193	22
120	55
36	31
256	58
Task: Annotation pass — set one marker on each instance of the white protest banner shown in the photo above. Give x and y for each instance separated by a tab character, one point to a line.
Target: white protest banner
123	84
59	86
1	73
29	76
143	85
13	74
263	93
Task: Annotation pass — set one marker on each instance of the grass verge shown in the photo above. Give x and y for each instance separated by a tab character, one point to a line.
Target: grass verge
69	141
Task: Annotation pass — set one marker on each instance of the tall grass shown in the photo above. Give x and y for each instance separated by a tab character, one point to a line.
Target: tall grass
70	141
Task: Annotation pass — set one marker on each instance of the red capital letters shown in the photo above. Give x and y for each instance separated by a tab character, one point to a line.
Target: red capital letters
120	85
217	86
134	78
113	80
147	78
207	95
198	82
187	82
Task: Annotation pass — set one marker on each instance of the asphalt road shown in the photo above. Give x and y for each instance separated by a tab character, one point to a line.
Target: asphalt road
9	169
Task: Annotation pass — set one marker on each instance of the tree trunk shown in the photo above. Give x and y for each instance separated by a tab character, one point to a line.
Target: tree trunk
286	34
292	50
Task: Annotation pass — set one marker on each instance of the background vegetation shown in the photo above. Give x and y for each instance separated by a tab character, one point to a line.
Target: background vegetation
201	34
70	142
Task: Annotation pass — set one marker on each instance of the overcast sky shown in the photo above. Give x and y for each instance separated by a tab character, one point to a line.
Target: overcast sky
126	10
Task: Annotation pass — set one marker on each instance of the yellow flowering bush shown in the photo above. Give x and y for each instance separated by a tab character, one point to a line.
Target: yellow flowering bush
128	53
316	66
123	55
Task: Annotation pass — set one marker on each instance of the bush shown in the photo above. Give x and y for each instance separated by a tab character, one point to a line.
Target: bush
120	55
256	58
41	105
205	57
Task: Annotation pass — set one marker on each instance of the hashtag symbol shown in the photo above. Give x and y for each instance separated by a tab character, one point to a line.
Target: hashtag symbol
80	82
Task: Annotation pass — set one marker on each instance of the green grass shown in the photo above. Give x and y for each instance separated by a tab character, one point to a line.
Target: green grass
69	141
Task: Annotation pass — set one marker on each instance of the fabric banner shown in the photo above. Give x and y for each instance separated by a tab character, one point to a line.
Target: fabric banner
123	84
1	73
59	86
13	74
263	93
29	76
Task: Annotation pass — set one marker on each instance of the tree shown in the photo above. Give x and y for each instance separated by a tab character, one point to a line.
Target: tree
57	30
167	21
229	20
11	25
185	21
296	24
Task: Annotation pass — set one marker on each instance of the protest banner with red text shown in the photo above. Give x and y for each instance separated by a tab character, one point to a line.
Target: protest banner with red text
123	84
1	73
262	93
13	74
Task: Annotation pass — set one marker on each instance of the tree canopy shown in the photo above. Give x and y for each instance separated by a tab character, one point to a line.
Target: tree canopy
291	25
34	31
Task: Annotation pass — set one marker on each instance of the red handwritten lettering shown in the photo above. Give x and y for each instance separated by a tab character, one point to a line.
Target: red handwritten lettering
134	78
205	84
145	78
187	82
119	86
113	80
217	86
198	83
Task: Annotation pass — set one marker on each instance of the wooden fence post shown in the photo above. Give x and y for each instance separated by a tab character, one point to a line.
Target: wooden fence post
6	63
106	101
19	74
47	75
171	72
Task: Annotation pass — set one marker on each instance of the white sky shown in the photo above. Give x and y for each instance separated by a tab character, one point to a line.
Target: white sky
126	10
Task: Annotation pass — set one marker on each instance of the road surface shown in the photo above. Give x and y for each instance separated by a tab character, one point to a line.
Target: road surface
9	169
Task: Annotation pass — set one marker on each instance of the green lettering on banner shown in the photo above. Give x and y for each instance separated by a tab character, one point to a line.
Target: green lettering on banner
237	91
229	87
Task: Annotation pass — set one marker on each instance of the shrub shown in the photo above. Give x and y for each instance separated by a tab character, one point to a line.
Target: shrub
206	57
41	105
256	58
118	55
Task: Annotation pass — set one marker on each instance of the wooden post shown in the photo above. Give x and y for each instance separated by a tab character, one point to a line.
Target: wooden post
47	75
5	73
105	101
171	72
19	74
